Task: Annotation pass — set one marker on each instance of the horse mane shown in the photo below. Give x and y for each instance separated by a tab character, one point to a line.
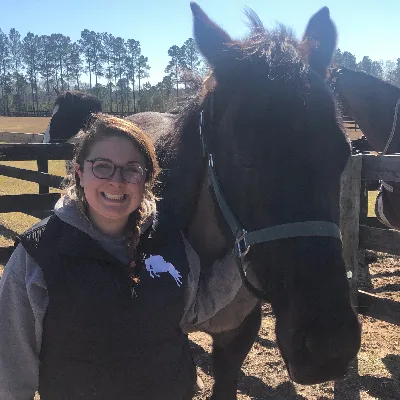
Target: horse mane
278	47
180	157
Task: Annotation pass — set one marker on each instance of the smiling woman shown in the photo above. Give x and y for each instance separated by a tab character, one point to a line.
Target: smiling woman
112	287
110	180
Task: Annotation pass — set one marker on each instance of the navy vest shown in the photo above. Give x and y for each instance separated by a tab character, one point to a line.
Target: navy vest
98	342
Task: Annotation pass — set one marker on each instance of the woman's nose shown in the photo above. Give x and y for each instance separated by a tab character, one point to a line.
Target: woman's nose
117	175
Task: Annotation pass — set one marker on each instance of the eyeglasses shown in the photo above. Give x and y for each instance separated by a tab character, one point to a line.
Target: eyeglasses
105	169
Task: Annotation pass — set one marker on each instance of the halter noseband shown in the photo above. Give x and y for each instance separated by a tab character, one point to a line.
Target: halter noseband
243	239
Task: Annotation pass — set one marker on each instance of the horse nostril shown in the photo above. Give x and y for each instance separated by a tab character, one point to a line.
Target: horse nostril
340	345
314	346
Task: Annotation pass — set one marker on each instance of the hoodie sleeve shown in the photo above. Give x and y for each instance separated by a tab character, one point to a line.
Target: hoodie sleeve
208	293
23	303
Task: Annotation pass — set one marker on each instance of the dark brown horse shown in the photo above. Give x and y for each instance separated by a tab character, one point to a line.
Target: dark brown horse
245	166
375	106
257	140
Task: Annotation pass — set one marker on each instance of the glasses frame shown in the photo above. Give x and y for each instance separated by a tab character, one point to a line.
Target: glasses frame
116	167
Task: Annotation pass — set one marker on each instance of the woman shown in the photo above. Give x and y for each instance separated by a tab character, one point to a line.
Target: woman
95	300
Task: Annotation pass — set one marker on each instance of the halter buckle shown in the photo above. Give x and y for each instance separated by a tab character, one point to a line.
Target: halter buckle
242	247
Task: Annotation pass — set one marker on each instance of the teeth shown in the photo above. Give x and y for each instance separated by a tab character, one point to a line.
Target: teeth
113	196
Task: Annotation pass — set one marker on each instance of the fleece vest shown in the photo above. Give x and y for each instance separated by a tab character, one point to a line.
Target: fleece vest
99	342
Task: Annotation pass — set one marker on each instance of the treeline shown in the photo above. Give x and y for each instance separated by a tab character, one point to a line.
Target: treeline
388	70
34	68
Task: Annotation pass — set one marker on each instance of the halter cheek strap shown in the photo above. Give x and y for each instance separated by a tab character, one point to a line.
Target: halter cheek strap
243	239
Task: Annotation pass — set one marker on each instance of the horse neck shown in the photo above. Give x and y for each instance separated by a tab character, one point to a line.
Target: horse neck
203	231
374	114
379	128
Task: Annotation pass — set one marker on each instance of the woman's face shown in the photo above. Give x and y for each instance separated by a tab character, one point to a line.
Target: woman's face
112	200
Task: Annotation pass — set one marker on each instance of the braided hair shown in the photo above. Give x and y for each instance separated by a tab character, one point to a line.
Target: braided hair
100	127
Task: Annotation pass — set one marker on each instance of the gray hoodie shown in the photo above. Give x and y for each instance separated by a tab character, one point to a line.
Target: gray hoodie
24	299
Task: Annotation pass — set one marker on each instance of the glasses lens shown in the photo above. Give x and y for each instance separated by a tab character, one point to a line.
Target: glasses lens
103	169
133	173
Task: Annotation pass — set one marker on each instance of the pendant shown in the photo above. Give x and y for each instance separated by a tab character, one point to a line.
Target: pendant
134	294
134	278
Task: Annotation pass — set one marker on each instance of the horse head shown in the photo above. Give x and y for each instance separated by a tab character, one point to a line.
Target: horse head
372	103
375	105
267	132
70	113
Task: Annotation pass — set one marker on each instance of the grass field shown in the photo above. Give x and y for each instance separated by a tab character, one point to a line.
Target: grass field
24	124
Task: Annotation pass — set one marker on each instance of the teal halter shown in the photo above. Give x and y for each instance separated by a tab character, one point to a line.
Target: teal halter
244	240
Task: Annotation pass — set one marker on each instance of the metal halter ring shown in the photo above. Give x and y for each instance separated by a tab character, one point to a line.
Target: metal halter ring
242	247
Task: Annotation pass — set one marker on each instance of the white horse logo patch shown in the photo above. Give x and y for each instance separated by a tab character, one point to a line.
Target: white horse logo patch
156	264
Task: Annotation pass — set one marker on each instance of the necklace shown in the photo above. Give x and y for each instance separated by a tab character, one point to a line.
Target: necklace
135	279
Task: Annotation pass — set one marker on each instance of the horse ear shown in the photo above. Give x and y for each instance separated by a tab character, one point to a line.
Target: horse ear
68	96
319	41
210	38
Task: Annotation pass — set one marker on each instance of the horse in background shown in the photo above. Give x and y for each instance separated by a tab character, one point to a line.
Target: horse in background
70	113
245	166
375	106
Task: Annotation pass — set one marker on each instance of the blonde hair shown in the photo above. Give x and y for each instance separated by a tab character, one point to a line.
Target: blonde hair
100	127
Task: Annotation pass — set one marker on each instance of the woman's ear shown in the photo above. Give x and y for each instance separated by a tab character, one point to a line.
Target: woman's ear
79	172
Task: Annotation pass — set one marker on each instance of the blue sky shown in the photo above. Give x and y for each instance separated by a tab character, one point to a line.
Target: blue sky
366	27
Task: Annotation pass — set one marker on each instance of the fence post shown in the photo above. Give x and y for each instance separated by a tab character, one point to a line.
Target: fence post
350	219
43	166
349	225
363	277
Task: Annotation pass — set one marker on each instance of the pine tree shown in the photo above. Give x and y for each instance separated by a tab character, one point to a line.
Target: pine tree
30	54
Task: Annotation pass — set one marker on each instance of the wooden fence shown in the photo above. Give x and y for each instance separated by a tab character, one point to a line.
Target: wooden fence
33	204
49	113
44	113
350	123
358	231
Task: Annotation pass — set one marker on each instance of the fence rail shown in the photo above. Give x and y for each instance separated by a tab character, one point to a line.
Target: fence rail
41	178
357	235
49	113
26	203
26	114
385	168
35	151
